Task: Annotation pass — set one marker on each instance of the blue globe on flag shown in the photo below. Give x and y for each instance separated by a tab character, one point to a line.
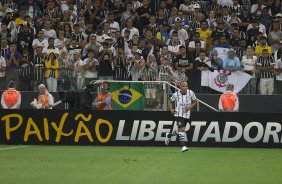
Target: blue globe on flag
125	96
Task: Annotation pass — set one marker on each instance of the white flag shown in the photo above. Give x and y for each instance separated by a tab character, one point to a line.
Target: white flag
218	80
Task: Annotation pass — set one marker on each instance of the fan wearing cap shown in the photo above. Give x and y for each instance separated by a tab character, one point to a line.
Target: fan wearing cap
182	33
9	10
11	98
196	8
8	16
278	18
263	45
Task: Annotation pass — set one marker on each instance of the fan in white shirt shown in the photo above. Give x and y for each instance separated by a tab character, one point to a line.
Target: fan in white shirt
48	31
40	41
129	27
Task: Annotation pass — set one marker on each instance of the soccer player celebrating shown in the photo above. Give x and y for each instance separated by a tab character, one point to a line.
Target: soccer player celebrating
185	100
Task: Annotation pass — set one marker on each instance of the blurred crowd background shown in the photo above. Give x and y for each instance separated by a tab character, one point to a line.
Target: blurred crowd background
68	44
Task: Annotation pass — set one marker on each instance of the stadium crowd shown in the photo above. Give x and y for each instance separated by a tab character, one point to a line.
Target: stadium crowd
69	43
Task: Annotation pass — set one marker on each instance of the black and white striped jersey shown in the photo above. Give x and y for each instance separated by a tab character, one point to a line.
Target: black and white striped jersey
120	70
78	37
266	62
181	101
4	51
55	13
39	66
25	68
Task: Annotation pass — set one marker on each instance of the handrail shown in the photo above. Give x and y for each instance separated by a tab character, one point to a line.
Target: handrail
117	81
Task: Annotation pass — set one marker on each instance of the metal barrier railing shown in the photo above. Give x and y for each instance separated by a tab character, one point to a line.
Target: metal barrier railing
165	87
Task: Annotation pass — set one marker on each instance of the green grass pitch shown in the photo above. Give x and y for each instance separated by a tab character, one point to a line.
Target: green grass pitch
144	165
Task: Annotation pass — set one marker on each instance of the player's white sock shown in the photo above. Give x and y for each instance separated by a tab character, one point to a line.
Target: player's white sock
182	138
174	133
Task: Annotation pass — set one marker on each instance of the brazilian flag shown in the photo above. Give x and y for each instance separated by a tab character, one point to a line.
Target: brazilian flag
127	96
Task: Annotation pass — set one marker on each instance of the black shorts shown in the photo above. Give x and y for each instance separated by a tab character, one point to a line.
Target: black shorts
181	122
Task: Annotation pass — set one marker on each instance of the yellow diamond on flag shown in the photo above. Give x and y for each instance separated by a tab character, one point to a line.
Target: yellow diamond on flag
125	96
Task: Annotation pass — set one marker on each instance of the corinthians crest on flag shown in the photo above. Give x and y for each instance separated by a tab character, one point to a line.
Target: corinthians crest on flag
218	80
127	96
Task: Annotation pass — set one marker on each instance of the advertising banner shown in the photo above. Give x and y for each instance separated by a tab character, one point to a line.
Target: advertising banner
138	128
